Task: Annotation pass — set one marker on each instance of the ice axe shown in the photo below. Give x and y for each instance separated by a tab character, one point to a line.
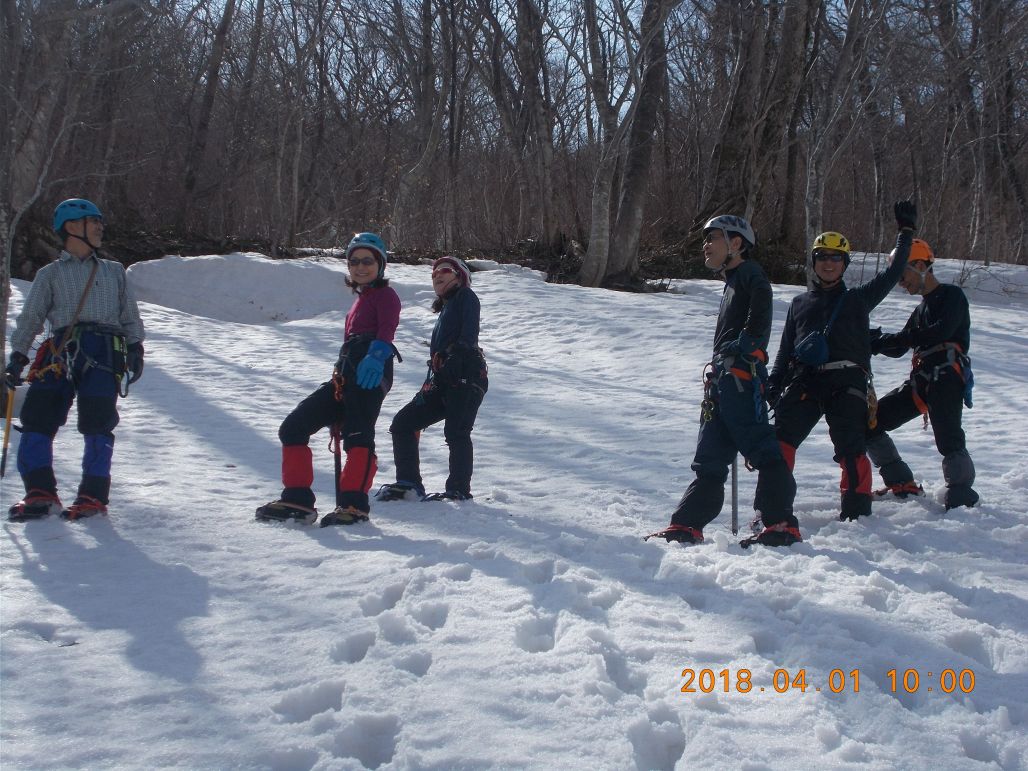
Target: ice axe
735	495
8	415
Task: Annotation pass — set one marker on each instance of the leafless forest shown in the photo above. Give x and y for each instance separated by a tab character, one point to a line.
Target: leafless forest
603	128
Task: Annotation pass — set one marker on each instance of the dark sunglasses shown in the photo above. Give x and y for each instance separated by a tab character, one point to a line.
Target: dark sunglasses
366	261
829	257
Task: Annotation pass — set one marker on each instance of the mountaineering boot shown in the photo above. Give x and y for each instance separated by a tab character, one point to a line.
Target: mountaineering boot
344	515
35	505
398	491
958	471
900	490
960	495
85	506
449	495
687	536
781	534
283	511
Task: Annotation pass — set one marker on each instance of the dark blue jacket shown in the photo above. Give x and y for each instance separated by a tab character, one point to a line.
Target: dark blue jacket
458	323
745	305
848	339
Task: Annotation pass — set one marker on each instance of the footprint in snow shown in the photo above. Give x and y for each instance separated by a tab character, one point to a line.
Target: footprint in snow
658	740
431	614
371	739
289	759
301	704
395	628
458	573
417	662
616	665
373	604
540	572
353	649
536	635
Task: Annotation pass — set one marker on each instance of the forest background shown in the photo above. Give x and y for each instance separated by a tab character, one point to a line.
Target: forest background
592	137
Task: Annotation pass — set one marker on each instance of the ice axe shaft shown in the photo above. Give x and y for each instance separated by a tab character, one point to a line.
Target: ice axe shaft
735	495
8	416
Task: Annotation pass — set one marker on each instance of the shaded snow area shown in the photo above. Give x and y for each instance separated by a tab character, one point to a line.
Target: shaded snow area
531	627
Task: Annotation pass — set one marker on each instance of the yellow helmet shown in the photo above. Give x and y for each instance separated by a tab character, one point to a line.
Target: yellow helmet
832	240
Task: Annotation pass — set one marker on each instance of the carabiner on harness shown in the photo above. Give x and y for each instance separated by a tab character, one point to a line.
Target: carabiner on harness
707	405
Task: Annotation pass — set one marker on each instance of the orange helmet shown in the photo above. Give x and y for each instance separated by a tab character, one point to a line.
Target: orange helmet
920	251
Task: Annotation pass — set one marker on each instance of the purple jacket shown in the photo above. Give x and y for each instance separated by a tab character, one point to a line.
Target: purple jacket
376	313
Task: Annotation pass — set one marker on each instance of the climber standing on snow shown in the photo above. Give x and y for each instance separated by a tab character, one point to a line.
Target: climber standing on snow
823	364
733	416
939	386
453	391
94	351
351	400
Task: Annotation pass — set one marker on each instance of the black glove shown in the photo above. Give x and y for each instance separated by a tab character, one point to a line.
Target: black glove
906	214
12	374
134	362
875	335
893	345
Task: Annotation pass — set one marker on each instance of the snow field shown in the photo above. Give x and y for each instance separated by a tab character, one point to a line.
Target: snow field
531	627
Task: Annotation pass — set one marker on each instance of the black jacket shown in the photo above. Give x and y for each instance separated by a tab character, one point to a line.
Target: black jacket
745	305
942	317
848	339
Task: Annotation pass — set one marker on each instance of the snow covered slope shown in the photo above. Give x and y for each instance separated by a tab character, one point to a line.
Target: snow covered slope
531	627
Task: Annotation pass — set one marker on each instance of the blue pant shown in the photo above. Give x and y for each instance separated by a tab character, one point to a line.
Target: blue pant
736	423
89	371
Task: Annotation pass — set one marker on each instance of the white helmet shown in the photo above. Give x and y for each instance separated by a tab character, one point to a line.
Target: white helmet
729	223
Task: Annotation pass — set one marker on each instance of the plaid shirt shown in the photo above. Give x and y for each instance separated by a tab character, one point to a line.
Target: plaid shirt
56	292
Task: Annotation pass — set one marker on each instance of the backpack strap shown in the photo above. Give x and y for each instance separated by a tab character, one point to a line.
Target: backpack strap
835	312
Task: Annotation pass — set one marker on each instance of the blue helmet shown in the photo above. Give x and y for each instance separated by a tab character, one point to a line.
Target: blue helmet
373	242
74	209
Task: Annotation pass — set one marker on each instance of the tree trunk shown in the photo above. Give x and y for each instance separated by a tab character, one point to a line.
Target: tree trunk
594	267
624	260
430	113
195	154
726	189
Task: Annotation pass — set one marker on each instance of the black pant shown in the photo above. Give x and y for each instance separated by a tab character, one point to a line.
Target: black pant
841	397
944	398
357	412
941	392
458	406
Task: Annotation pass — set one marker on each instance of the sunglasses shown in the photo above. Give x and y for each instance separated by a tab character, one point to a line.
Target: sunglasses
829	257
365	261
440	271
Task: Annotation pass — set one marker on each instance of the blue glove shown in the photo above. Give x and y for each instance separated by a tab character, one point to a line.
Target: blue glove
369	371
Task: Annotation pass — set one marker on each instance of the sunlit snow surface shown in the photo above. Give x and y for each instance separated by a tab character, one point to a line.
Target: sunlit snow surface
531	627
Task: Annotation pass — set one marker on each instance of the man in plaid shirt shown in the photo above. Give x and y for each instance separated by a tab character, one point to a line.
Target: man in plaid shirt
95	342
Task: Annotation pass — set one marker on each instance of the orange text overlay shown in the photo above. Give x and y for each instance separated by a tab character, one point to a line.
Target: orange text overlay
837	681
